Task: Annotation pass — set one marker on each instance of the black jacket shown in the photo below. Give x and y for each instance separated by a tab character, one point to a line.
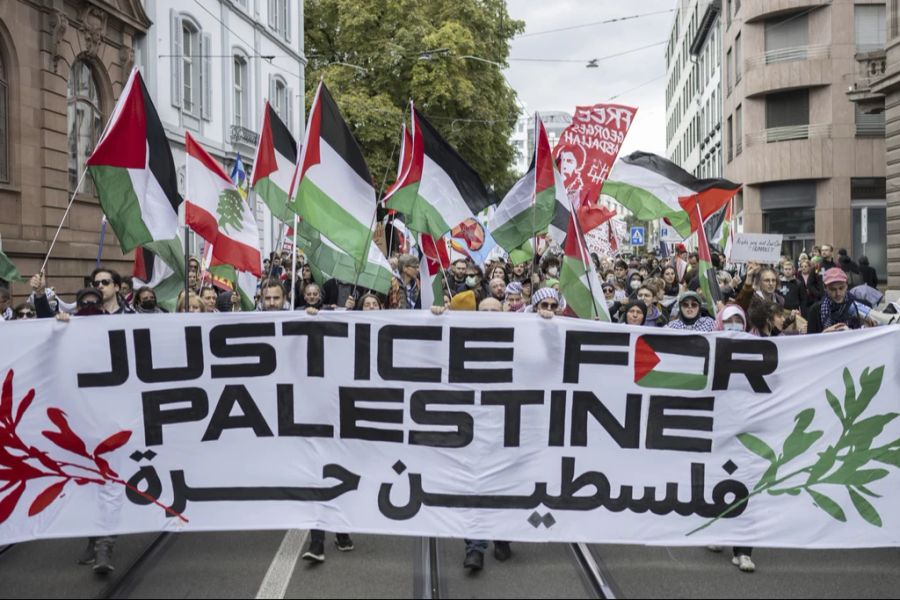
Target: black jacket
810	292
790	291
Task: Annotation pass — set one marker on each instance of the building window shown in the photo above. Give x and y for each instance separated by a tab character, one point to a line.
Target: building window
787	115
729	67
738	130
729	132
280	17
239	109
870	27
787	38
279	100
190	71
895	18
737	59
869	124
85	122
4	124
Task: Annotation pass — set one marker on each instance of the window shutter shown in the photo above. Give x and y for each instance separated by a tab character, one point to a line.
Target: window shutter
273	12
272	90
288	23
290	109
206	76
176	59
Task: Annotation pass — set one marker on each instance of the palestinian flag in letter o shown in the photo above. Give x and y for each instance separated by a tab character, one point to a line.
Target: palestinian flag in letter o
671	362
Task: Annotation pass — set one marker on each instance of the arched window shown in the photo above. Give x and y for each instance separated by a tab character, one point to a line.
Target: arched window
239	109
4	125
85	122
280	100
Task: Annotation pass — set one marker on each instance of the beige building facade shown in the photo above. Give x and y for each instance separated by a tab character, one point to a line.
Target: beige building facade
62	65
884	94
811	160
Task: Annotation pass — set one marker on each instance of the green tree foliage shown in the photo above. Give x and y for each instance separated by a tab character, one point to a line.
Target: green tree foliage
414	50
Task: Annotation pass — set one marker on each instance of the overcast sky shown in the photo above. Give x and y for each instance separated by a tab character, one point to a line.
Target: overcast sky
563	85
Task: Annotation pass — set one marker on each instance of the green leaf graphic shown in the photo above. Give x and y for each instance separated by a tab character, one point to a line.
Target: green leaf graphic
891	457
870	382
865	509
230	209
850	396
828	505
835	405
757	446
799	441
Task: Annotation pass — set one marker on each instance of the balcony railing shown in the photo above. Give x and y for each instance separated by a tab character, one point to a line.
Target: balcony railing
791	132
788	54
242	135
870	125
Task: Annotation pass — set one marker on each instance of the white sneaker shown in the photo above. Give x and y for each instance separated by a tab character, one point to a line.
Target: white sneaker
744	563
714	548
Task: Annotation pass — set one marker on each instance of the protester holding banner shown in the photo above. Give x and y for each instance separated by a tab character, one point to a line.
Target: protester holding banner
837	311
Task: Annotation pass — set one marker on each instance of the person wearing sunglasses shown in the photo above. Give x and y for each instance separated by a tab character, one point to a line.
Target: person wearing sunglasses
108	283
690	314
545	302
24	310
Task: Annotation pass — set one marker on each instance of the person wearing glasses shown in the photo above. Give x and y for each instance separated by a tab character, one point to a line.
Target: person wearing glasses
690	315
24	310
545	302
108	283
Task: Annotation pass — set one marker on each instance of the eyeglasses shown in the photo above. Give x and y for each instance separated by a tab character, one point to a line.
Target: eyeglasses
25	314
690	304
608	290
88	303
104	282
548	305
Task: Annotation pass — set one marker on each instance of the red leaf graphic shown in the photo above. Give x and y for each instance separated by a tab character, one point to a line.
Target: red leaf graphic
21	471
8	504
66	438
6	400
104	467
24	404
45	460
46	497
113	442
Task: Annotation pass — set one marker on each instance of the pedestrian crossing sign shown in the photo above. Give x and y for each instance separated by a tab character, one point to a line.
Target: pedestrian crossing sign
637	236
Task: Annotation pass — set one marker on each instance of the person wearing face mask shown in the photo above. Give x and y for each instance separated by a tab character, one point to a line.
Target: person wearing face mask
690	314
731	318
145	301
514	301
635	281
475	282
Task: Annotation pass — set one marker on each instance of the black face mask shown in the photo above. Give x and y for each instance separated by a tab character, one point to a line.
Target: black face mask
148	304
90	309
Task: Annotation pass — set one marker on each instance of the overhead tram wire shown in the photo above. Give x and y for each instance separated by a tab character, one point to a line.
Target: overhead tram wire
595	23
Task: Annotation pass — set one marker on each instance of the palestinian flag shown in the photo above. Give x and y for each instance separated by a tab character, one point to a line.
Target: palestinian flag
229	278
530	205
134	173
671	362
274	164
216	210
8	271
651	186
152	270
433	265
578	280
402	165
327	261
438	189
709	285
332	189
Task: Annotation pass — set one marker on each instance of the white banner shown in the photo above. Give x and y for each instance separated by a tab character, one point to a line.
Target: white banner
501	426
763	248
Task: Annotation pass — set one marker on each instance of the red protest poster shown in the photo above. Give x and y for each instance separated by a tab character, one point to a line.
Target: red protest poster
588	148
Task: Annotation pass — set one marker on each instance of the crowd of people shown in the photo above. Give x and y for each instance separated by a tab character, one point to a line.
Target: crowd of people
817	293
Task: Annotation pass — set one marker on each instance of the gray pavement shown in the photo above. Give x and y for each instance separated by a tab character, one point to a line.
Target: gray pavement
233	564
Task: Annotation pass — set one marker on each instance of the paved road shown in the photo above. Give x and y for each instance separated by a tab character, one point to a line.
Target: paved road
238	564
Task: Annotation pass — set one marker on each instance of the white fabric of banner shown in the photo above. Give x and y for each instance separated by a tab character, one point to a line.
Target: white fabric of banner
487	426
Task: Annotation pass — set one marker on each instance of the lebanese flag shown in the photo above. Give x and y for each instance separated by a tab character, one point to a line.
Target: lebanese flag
438	190
433	263
216	210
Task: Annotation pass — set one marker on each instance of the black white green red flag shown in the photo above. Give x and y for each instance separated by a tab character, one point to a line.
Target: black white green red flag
274	164
332	188
438	190
578	280
707	274
433	264
529	207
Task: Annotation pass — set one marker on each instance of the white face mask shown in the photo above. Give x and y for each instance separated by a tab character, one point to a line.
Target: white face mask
635	284
552	271
733	327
